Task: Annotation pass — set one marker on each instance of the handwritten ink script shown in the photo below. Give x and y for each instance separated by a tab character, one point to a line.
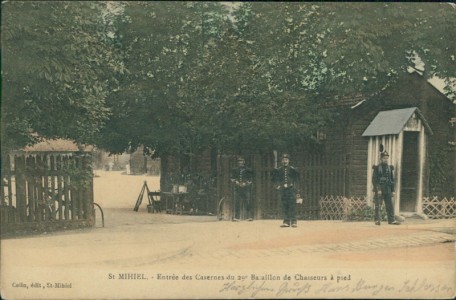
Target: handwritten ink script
258	288
265	285
297	285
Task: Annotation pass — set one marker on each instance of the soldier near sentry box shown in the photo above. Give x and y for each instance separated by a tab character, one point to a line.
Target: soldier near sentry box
383	182
242	178
286	180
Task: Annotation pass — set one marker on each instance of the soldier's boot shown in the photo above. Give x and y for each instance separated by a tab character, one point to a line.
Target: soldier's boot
285	224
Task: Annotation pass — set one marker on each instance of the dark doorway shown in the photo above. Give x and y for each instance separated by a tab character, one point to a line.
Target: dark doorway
410	171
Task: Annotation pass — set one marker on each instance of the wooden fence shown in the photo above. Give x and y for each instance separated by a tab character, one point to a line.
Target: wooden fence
46	191
436	208
343	208
320	175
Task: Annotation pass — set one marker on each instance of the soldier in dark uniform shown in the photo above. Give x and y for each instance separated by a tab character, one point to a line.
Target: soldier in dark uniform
383	182
242	178
286	180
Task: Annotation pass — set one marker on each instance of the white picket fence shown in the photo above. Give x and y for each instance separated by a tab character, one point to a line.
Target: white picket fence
340	207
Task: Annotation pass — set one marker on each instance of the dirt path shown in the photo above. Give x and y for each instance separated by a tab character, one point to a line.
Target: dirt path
116	190
162	247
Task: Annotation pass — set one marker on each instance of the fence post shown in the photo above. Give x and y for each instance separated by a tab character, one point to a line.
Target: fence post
21	195
89	212
31	192
66	187
445	206
258	195
59	177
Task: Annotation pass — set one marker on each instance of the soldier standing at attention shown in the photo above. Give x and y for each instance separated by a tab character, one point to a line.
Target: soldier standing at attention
383	182
286	180
242	177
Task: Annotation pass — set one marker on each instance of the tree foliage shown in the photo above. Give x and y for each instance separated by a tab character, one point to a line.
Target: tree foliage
164	45
258	78
57	66
179	77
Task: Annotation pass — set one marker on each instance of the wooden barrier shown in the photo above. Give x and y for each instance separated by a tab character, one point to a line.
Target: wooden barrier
320	175
45	187
436	208
343	208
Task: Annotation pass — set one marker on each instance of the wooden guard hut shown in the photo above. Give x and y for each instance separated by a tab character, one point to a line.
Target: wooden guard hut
403	133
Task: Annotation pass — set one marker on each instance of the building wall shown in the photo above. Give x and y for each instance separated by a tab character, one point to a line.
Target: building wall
437	110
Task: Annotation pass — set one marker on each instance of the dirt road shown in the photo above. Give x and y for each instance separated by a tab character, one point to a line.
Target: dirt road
147	256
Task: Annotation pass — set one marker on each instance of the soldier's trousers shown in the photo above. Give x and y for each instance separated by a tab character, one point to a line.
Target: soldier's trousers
386	197
288	199
242	198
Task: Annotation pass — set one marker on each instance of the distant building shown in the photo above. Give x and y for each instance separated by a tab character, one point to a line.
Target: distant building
143	164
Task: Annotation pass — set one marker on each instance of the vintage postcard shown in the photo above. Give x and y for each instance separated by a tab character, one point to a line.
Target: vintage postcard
227	150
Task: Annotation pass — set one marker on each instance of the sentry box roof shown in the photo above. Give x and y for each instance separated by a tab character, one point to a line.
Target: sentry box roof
393	121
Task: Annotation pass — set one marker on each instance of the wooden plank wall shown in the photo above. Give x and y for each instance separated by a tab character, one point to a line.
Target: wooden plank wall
46	187
321	175
201	169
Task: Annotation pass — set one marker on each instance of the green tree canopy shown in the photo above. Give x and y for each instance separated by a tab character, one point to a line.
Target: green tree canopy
257	77
57	67
179	77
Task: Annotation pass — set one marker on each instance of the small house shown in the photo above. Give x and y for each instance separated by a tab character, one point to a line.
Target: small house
403	133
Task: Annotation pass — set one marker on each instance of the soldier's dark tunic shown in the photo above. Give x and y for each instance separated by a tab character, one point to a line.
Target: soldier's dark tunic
242	179
383	180
286	179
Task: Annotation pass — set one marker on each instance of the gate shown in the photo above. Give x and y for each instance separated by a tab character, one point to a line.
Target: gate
46	191
321	175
